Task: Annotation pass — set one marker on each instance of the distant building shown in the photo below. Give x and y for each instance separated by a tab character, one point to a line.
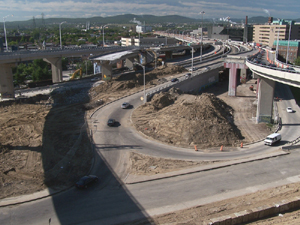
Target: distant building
268	33
148	41
294	49
225	33
143	29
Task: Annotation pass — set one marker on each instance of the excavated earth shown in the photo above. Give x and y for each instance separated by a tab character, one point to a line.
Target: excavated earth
187	120
45	142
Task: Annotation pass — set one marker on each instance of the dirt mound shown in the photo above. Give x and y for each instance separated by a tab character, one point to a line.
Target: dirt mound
164	99
205	121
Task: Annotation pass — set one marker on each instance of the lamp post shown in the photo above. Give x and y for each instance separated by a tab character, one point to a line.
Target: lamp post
287	53
277	40
202	12
144	81
60	33
103	33
5	31
192	59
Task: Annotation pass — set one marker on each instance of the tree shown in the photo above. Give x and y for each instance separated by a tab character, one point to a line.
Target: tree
40	70
86	65
23	73
297	61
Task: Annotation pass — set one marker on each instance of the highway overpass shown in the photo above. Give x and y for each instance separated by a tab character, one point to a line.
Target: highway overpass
266	79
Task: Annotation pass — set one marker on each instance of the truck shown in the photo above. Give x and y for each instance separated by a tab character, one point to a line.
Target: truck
272	138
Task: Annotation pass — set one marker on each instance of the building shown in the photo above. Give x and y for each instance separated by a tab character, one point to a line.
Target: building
225	33
292	48
266	34
143	29
148	41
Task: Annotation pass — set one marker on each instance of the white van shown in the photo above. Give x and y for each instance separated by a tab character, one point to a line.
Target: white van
272	138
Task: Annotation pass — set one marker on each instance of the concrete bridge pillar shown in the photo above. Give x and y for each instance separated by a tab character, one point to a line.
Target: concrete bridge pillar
265	100
129	62
6	81
257	87
106	70
233	76
56	68
120	64
243	76
169	55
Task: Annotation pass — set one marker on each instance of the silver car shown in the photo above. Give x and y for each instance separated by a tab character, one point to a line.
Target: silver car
125	105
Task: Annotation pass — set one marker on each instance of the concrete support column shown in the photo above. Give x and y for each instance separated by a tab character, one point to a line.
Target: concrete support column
56	68
169	55
129	63
6	81
120	64
243	76
257	87
232	80
265	100
233	76
106	70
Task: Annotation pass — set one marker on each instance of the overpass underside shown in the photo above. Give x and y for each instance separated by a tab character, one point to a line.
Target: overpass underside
265	89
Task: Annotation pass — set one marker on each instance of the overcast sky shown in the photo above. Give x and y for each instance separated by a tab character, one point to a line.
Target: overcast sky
24	10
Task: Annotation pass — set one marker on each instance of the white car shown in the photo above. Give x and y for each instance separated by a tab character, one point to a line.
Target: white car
289	109
192	69
188	75
125	105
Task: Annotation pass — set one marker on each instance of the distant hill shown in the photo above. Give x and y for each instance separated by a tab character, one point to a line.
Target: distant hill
123	19
120	19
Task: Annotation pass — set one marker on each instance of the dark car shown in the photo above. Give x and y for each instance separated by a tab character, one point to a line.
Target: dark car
86	181
290	69
174	80
111	122
272	65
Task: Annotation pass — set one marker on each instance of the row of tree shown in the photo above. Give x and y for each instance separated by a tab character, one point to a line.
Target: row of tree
39	70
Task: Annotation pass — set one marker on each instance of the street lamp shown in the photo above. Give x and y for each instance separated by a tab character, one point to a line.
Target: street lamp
287	53
277	40
202	12
103	32
5	31
192	59
60	33
144	81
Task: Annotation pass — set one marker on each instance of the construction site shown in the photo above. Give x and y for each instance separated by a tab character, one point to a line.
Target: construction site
37	134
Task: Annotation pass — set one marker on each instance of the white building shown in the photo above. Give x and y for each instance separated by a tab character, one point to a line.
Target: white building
143	29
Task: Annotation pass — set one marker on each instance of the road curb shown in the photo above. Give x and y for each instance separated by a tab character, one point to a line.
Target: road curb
135	179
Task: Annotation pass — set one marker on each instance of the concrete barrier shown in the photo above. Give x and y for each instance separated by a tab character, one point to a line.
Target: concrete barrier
257	213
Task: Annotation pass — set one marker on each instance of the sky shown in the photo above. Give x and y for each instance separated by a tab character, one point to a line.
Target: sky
214	9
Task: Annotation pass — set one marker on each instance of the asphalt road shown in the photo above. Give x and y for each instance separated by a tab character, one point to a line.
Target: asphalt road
112	202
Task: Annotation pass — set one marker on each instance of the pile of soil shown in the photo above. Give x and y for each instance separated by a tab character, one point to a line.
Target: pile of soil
188	120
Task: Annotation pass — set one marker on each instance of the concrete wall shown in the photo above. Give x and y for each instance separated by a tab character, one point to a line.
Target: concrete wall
194	84
199	83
